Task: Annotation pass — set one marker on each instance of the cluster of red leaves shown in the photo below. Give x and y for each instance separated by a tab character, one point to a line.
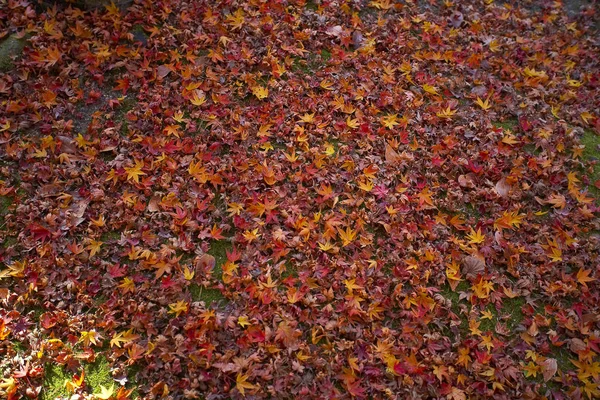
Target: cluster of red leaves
346	150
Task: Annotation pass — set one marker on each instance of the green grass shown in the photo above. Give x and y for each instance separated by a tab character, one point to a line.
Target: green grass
509	123
311	5
454	297
312	63
290	270
96	374
10	48
5	203
110	236
218	249
127	105
208	295
513	308
591	141
54	383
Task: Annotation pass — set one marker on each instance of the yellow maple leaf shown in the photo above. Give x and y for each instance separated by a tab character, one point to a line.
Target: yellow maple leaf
347	236
123	338
243	321
105	392
326	84
352	123
198	97
476	237
134	173
430	89
260	92
241	383
583	277
485	105
177	308
88	337
188	274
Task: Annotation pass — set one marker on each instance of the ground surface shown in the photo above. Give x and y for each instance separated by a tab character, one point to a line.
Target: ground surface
280	199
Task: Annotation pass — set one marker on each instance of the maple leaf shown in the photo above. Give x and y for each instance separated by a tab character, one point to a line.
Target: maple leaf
198	97
88	337
15	270
123	338
236	20
352	123
241	383
509	220
485	105
73	384
179	307
530	369
557	201
430	89
172	130
243	321
446	113
188	274
326	84
260	92
94	246
99	222
476	237
105	392
251	235
134	173
389	121
583	277
347	236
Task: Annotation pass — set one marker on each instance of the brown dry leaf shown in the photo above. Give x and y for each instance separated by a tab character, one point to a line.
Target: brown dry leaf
153	204
473	266
549	368
391	155
205	262
466	181
502	187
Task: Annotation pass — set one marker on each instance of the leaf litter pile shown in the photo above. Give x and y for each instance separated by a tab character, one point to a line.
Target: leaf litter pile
260	199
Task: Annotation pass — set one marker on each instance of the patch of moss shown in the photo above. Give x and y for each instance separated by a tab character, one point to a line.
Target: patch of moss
133	382
54	382
110	236
562	356
509	123
591	141
312	63
513	307
471	212
139	34
532	149
311	5
208	295
218	249
11	48
489	324
127	105
98	374
454	297
290	271
5	203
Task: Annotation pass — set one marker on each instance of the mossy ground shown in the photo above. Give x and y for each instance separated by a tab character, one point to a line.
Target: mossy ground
218	249
97	375
10	48
591	154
